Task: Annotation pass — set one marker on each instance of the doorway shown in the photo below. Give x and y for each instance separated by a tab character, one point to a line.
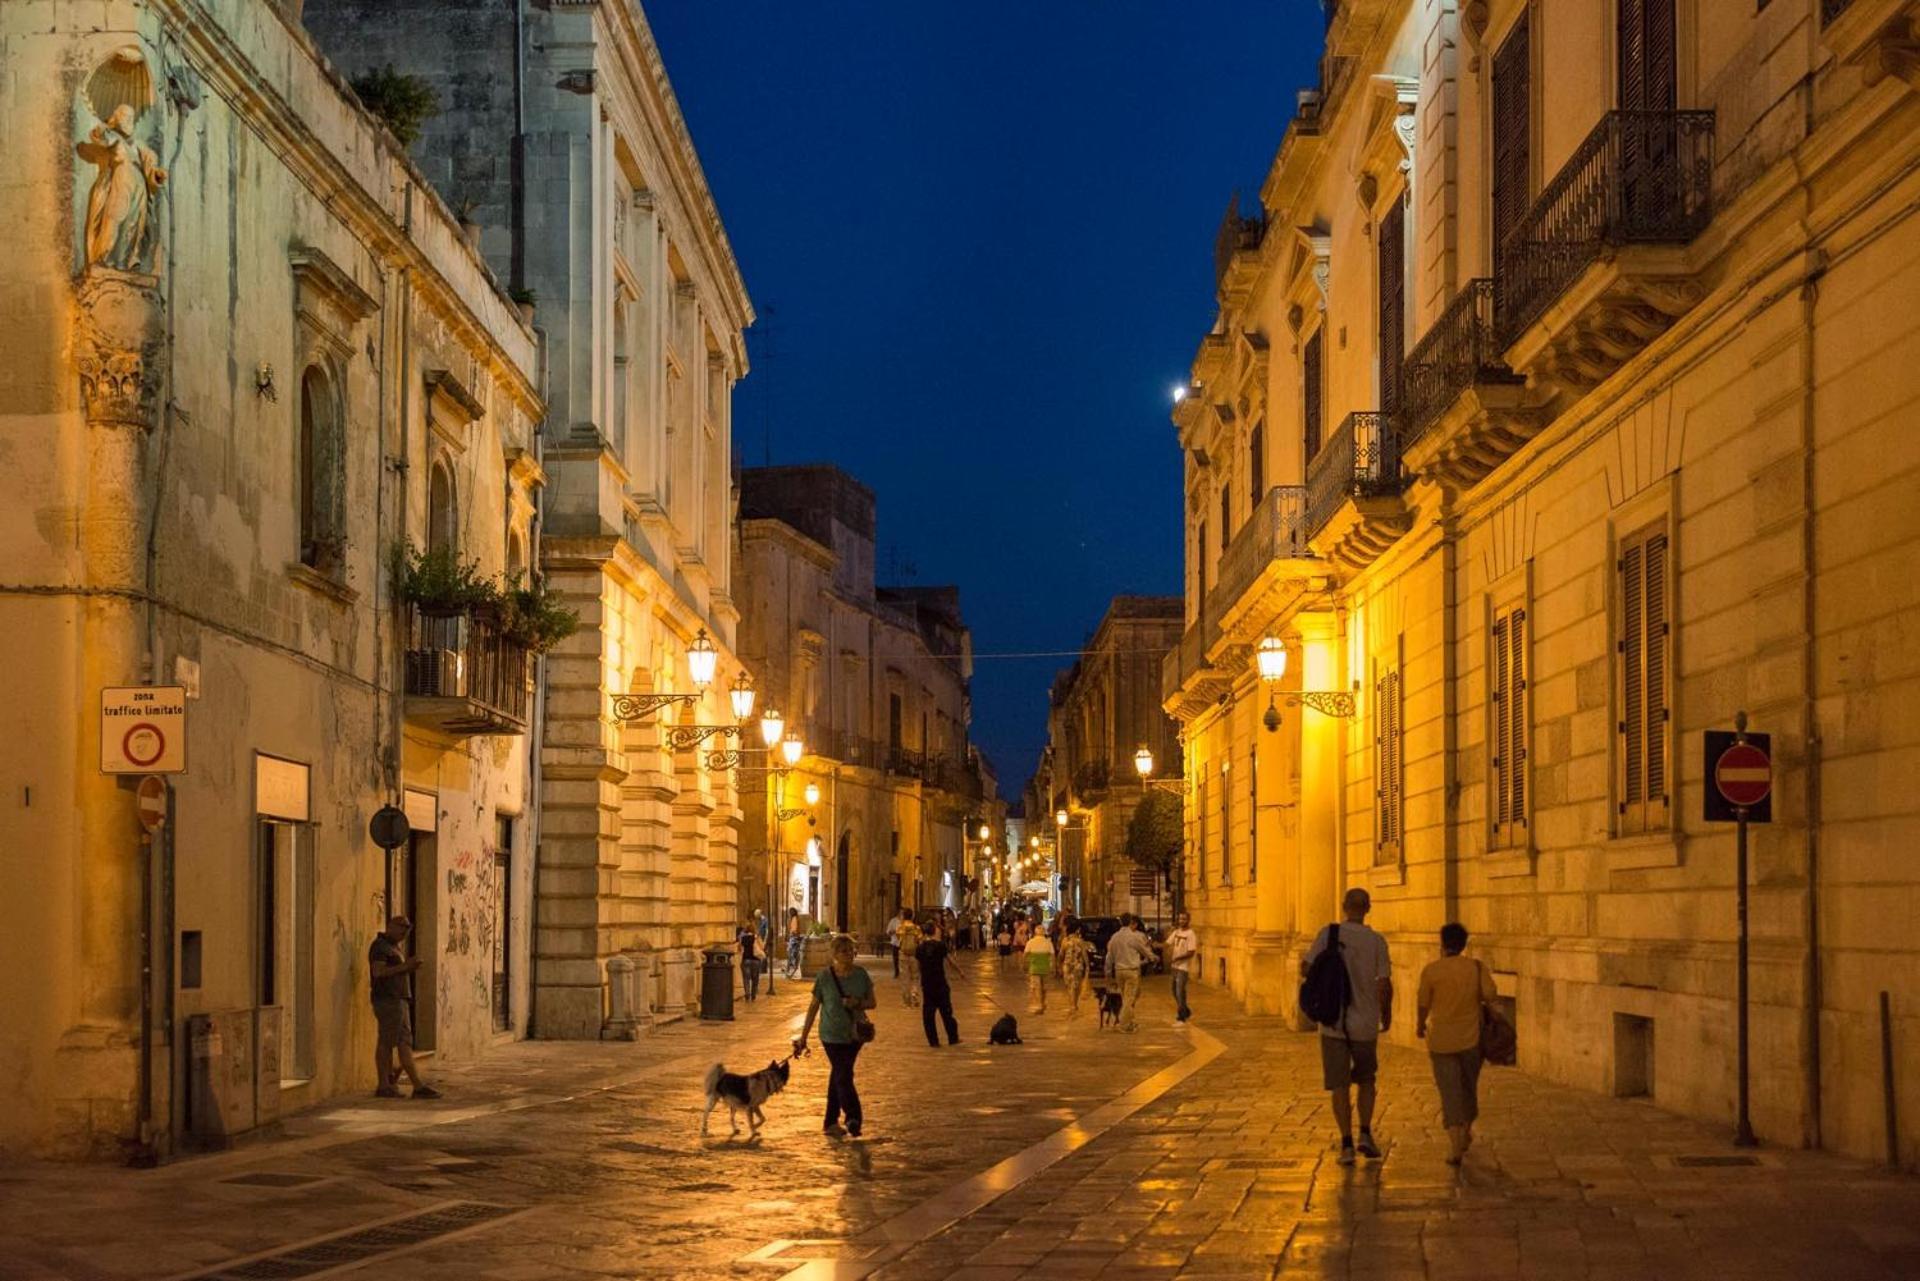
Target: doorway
410	870
285	952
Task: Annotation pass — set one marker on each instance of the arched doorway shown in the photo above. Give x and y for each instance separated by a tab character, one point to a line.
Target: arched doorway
842	863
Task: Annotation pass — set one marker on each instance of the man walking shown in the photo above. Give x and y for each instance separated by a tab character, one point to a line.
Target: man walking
1127	951
390	974
1349	1049
1183	945
909	934
893	942
936	997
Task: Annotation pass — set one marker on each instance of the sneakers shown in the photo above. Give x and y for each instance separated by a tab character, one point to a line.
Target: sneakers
1368	1148
425	1092
1346	1152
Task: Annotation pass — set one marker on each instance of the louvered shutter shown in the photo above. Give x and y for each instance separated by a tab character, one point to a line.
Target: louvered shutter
1657	676
1257	461
1310	401
1631	49
1648	55
1632	724
1515	714
1387	753
1226	517
1645	676
1502	743
1512	132
1393	303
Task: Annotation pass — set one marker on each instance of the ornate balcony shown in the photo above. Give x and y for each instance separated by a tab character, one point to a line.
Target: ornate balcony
1354	485
1598	267
1463	412
465	676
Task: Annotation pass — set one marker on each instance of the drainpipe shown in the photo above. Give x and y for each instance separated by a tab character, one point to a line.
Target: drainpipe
1449	727
535	780
1809	296
400	464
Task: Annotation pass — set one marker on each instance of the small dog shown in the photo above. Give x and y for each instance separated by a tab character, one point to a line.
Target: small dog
1109	1005
743	1093
1006	1031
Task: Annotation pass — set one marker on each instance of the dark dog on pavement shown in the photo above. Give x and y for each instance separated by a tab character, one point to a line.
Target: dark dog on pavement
1006	1031
1109	1005
743	1094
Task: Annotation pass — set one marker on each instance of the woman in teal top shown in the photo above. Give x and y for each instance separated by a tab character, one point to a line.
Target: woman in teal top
840	993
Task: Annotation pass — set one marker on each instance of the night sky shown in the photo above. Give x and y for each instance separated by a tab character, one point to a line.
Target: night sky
979	237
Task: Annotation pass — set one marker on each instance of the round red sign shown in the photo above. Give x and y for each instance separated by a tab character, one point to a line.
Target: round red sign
143	743
1744	775
151	797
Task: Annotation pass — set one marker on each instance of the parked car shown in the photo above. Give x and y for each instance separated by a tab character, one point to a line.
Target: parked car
1099	929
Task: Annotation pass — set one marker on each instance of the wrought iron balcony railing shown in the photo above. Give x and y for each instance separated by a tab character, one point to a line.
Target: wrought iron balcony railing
475	677
1277	530
1360	460
1457	353
1641	177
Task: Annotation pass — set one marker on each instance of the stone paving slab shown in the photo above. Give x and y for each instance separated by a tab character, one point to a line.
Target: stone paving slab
1173	1153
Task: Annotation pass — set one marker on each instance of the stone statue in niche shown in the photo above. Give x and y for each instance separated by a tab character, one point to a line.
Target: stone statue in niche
120	224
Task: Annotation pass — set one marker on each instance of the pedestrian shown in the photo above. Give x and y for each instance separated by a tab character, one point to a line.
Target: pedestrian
1349	1050
842	995
1076	955
795	940
1454	991
936	995
1004	942
1182	946
1022	929
1127	951
1039	966
390	983
910	935
893	941
748	943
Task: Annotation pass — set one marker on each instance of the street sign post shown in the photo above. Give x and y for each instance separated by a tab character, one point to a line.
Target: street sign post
1739	772
389	827
151	798
143	730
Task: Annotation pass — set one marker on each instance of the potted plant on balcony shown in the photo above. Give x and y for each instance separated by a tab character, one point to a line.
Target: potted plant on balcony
439	584
535	618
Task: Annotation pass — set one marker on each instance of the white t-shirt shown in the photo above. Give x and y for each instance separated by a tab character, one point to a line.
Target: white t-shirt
1365	952
1182	941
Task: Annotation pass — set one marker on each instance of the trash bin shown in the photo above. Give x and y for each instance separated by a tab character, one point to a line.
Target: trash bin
716	985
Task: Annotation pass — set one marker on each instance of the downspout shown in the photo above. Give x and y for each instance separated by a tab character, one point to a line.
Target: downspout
517	265
400	463
1809	297
535	779
1449	728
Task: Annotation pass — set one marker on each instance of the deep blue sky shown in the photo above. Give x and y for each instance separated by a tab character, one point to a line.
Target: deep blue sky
979	235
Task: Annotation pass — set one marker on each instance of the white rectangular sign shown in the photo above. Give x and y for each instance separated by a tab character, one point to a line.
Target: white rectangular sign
143	730
280	788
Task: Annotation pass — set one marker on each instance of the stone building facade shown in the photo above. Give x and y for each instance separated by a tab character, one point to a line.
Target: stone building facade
1102	711
562	142
873	680
249	354
1552	416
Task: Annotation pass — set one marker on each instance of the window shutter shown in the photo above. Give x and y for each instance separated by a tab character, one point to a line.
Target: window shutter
1226	517
1645	675
1512	131
1502	744
1632	52
1392	244
1648	55
1257	461
1310	407
1388	763
1515	714
1657	673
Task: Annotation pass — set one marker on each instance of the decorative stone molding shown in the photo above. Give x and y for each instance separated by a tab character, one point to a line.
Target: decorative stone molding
117	346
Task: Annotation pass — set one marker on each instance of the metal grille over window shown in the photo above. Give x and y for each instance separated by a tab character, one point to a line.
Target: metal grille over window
1644	650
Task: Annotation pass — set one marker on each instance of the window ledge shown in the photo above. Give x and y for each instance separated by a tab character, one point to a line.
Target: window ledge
325	585
1513	860
1386	876
1654	849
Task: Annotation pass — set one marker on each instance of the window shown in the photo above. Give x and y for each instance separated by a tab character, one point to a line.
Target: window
1310	369
440	510
1393	302
1226	824
501	914
286	940
1644	647
1226	517
1512	131
1389	768
1200	816
1648	58
893	721
1257	463
1200	560
1509	734
321	542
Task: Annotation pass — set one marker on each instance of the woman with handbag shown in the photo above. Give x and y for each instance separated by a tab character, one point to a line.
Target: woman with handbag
1455	992
842	995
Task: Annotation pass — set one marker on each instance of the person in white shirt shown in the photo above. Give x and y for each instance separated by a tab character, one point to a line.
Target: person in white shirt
1349	1051
1127	951
1183	945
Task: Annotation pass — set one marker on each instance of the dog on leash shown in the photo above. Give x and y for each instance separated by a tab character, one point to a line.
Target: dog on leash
1109	1005
1005	1031
743	1094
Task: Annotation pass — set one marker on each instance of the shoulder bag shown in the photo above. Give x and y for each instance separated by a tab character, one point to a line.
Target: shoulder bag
863	1028
1499	1043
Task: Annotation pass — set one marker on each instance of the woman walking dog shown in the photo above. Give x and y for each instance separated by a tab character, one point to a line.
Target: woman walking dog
842	995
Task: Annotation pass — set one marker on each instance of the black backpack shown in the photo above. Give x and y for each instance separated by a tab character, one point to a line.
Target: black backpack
1326	992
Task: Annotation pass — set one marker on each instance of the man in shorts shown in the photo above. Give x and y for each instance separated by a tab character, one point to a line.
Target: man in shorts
1349	1050
391	975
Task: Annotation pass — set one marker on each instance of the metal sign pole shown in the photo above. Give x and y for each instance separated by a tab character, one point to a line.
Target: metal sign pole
1743	1128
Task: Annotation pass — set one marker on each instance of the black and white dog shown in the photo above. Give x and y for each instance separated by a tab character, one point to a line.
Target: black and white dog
743	1093
1109	998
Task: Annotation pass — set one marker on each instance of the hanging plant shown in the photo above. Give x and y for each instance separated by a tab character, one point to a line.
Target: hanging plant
437	581
536	618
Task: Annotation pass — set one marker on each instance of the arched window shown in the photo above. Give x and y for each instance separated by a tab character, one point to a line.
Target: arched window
440	510
321	538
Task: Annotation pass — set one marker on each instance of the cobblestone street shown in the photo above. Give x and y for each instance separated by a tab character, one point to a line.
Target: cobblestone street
1171	1153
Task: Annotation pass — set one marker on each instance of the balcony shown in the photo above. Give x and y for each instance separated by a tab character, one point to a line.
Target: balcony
1598	267
1236	248
1463	411
1091	780
1354	485
464	676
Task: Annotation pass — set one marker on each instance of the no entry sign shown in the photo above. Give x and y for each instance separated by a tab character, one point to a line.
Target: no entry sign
151	799
1739	775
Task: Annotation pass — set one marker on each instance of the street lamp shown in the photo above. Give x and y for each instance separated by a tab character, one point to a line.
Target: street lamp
985	831
1059	818
812	794
791	748
771	726
1143	766
742	696
702	660
1271	660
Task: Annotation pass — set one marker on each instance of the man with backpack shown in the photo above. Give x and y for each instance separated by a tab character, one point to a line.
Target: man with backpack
1347	988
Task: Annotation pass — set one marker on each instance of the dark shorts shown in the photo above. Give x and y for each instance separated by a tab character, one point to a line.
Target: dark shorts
396	1028
1344	1062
